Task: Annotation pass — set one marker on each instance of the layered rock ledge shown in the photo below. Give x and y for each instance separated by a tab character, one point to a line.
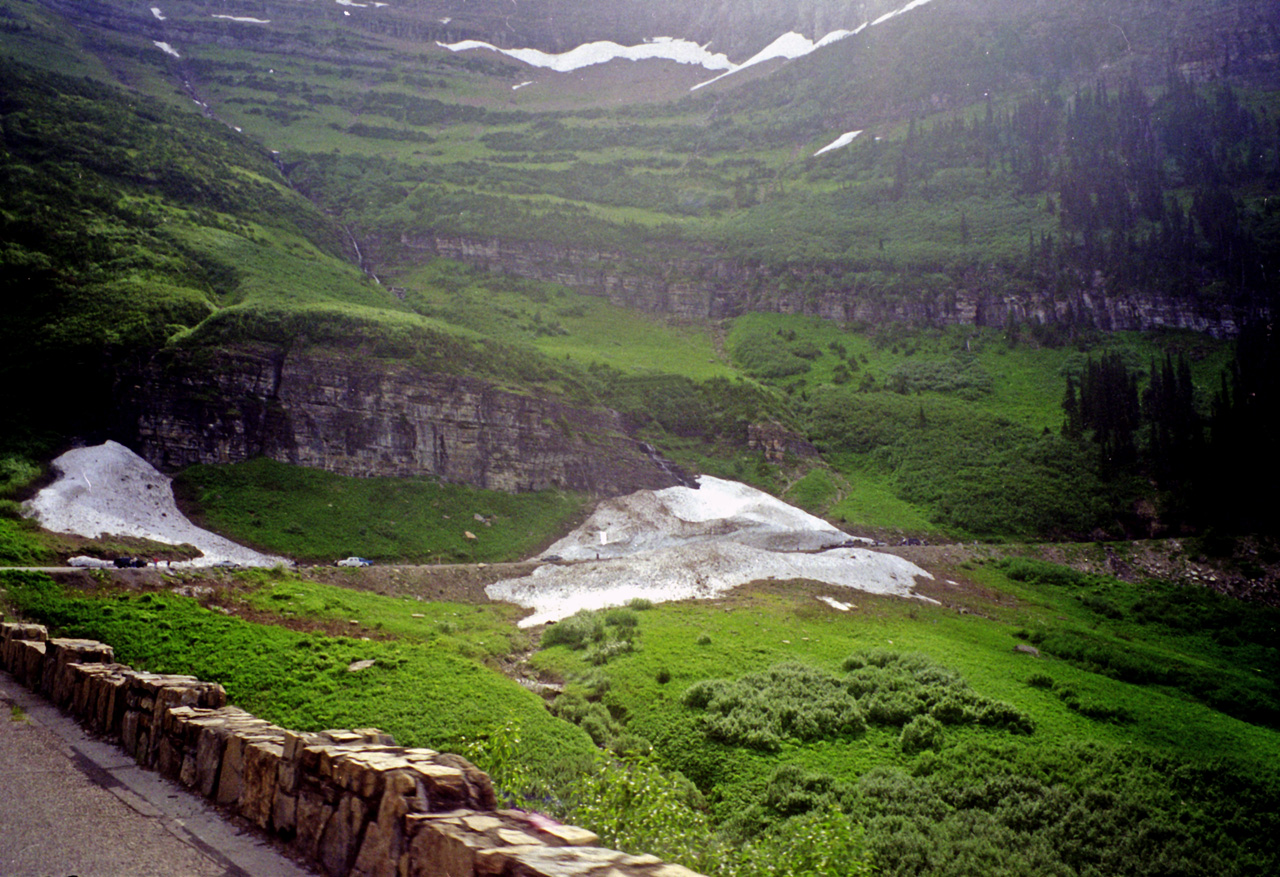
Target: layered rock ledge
698	284
364	416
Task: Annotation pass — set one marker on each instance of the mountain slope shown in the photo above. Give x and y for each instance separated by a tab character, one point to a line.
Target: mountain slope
1043	171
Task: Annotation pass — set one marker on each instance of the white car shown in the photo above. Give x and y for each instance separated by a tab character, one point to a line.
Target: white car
354	561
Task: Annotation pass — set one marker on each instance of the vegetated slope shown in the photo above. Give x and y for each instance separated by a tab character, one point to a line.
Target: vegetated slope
954	752
1054	99
163	272
127	224
1093	205
1062	167
1137	741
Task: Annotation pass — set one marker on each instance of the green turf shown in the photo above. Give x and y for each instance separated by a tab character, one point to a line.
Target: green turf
312	515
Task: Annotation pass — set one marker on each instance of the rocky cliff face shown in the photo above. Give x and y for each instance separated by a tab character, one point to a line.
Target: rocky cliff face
374	417
705	286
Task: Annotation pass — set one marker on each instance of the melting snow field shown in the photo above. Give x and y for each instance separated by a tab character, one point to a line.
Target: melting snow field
789	46
681	544
588	54
673	544
110	490
843	140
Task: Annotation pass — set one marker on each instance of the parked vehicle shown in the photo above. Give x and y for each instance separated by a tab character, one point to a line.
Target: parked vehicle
354	561
129	562
225	564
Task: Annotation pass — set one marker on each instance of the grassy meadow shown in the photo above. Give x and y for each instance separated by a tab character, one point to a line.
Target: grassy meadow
903	736
315	516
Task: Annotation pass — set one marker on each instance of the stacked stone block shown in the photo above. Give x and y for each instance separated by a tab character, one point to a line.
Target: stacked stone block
350	801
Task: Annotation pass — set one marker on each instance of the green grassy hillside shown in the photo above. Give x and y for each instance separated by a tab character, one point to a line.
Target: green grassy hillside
167	211
284	185
1133	734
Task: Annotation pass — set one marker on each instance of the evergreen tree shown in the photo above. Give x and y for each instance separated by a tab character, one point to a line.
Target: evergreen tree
1242	465
1109	411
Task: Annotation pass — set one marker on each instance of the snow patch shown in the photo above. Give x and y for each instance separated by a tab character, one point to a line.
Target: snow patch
843	140
166	48
155	10
790	46
521	85
836	604
604	51
109	490
914	4
243	18
683	543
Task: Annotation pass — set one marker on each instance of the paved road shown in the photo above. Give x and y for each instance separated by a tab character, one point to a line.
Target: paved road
72	806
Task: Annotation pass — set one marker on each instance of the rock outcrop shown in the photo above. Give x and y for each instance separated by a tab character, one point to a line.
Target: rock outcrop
365	416
703	285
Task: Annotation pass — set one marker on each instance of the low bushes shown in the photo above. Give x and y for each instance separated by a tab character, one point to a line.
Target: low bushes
604	635
796	702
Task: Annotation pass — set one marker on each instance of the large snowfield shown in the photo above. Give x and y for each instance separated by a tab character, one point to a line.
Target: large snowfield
679	543
109	490
682	544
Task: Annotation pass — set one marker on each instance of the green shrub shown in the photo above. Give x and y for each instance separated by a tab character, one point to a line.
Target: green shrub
760	710
1039	572
821	843
19	545
963	377
577	631
624	618
763	355
604	651
599	725
16	473
922	732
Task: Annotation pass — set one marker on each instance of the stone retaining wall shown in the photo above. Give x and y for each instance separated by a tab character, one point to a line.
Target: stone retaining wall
350	801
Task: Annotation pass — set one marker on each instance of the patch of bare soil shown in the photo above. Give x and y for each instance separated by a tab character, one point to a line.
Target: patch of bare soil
67	545
952	586
455	583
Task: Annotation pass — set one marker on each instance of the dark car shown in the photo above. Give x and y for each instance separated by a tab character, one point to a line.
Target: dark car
129	562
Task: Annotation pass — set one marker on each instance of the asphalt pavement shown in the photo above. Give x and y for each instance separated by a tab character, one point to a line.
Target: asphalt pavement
73	806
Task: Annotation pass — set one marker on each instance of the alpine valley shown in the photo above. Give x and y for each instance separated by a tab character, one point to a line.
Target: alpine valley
988	283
